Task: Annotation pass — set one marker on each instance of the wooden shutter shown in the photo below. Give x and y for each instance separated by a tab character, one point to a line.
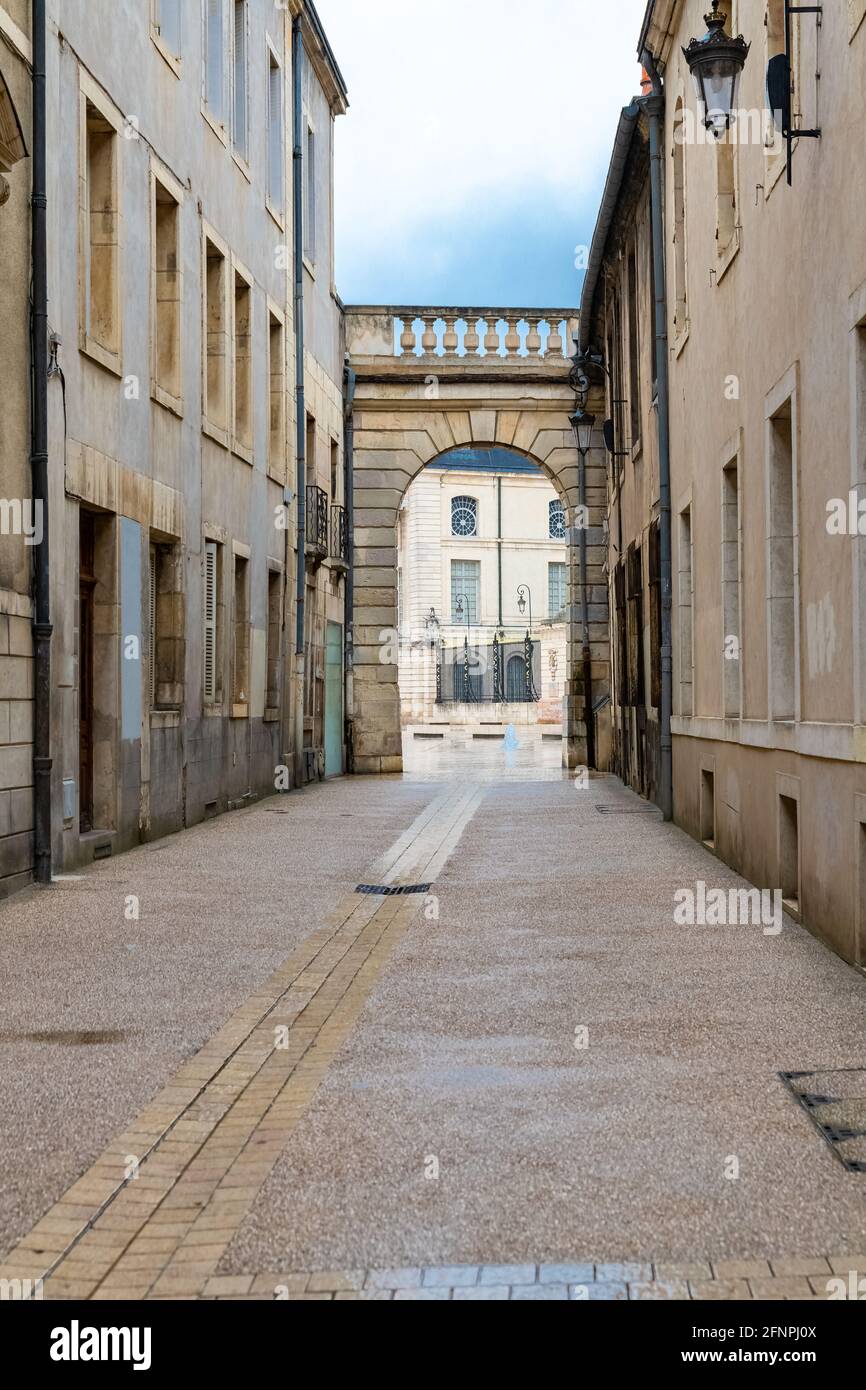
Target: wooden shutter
210	621
240	77
275	133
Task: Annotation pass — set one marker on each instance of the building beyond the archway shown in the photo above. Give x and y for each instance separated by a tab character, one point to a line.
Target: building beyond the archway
429	381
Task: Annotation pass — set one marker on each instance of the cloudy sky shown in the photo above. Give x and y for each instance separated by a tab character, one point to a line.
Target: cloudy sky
471	162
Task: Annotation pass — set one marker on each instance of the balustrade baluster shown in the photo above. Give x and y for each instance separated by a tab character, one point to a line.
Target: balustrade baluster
471	339
450	340
491	338
407	337
512	339
554	342
533	338
428	341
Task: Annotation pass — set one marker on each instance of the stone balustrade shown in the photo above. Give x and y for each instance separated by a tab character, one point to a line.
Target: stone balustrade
455	333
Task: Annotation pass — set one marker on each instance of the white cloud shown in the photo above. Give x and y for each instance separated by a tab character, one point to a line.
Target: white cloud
458	106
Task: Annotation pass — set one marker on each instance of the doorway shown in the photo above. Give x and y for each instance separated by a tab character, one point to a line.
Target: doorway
86	603
334	700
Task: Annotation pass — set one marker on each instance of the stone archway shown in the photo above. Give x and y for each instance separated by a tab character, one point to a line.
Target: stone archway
412	406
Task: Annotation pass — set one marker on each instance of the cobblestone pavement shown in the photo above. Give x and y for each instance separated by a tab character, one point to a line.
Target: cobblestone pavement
407	1107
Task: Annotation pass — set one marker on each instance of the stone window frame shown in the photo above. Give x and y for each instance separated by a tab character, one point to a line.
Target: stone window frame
276	570
216	429
857	376
92	97
278	461
786	393
241	628
275	63
166	655
727	199
556	507
214	707
685	507
788	788
242	446
161	177
731	458
776	159
679	225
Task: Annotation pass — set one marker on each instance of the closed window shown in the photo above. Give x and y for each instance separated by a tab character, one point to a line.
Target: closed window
556	590
275	131
216	336
515	679
101	239
241	663
239	78
277	440
275	627
243	363
212	622
166	225
168	24
556	521
465	590
464	516
215	59
310	199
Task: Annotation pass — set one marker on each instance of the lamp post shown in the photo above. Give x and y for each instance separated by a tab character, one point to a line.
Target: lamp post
716	62
583	424
433	627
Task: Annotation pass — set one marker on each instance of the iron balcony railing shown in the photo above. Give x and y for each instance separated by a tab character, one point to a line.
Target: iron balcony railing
317	520
339	534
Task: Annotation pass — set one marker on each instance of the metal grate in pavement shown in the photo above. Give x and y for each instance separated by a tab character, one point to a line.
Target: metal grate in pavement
646	810
835	1102
393	890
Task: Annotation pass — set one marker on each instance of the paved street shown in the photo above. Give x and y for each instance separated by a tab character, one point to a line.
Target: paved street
272	1085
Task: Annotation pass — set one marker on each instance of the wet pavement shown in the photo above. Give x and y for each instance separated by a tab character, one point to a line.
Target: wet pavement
528	1065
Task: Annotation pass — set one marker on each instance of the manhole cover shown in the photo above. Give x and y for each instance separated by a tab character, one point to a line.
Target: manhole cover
835	1102
393	890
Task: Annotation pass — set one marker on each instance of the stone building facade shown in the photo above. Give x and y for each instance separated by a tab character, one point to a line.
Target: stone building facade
479	530
766	325
177	679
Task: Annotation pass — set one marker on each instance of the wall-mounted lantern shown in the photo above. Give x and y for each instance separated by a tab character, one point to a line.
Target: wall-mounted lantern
716	63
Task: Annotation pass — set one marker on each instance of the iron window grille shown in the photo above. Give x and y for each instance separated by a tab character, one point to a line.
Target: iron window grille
339	534
556	521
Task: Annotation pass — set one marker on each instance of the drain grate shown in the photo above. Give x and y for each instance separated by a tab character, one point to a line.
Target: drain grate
646	810
393	890
835	1102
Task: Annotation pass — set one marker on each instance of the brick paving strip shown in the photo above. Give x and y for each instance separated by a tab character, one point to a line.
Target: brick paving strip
800	1280
156	1211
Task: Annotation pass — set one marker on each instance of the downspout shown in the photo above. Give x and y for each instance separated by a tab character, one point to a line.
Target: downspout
349	381
300	400
499	545
39	461
654	106
586	656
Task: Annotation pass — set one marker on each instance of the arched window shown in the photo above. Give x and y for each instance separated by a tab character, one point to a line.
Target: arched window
464	516
515	679
556	521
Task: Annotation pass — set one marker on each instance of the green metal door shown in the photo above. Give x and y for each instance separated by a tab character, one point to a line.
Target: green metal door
334	700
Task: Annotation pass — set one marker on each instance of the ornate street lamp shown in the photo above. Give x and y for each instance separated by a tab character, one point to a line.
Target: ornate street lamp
583	424
522	592
463	607
716	62
432	625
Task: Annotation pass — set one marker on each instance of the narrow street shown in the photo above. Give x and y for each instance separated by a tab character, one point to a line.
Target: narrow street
231	1074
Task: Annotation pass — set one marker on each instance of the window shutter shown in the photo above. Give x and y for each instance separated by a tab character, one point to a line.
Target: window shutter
240	77
214	59
275	134
210	608
151	631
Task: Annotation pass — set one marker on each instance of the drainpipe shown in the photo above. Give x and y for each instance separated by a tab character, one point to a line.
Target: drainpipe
349	380
499	545
300	400
654	106
586	655
39	461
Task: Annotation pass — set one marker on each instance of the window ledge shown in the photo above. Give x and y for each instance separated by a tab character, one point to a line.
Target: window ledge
213	711
243	165
218	127
242	451
727	257
271	716
215	432
166	399
104	357
681	339
636	449
276	214
240	712
165	718
173	60
309	266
